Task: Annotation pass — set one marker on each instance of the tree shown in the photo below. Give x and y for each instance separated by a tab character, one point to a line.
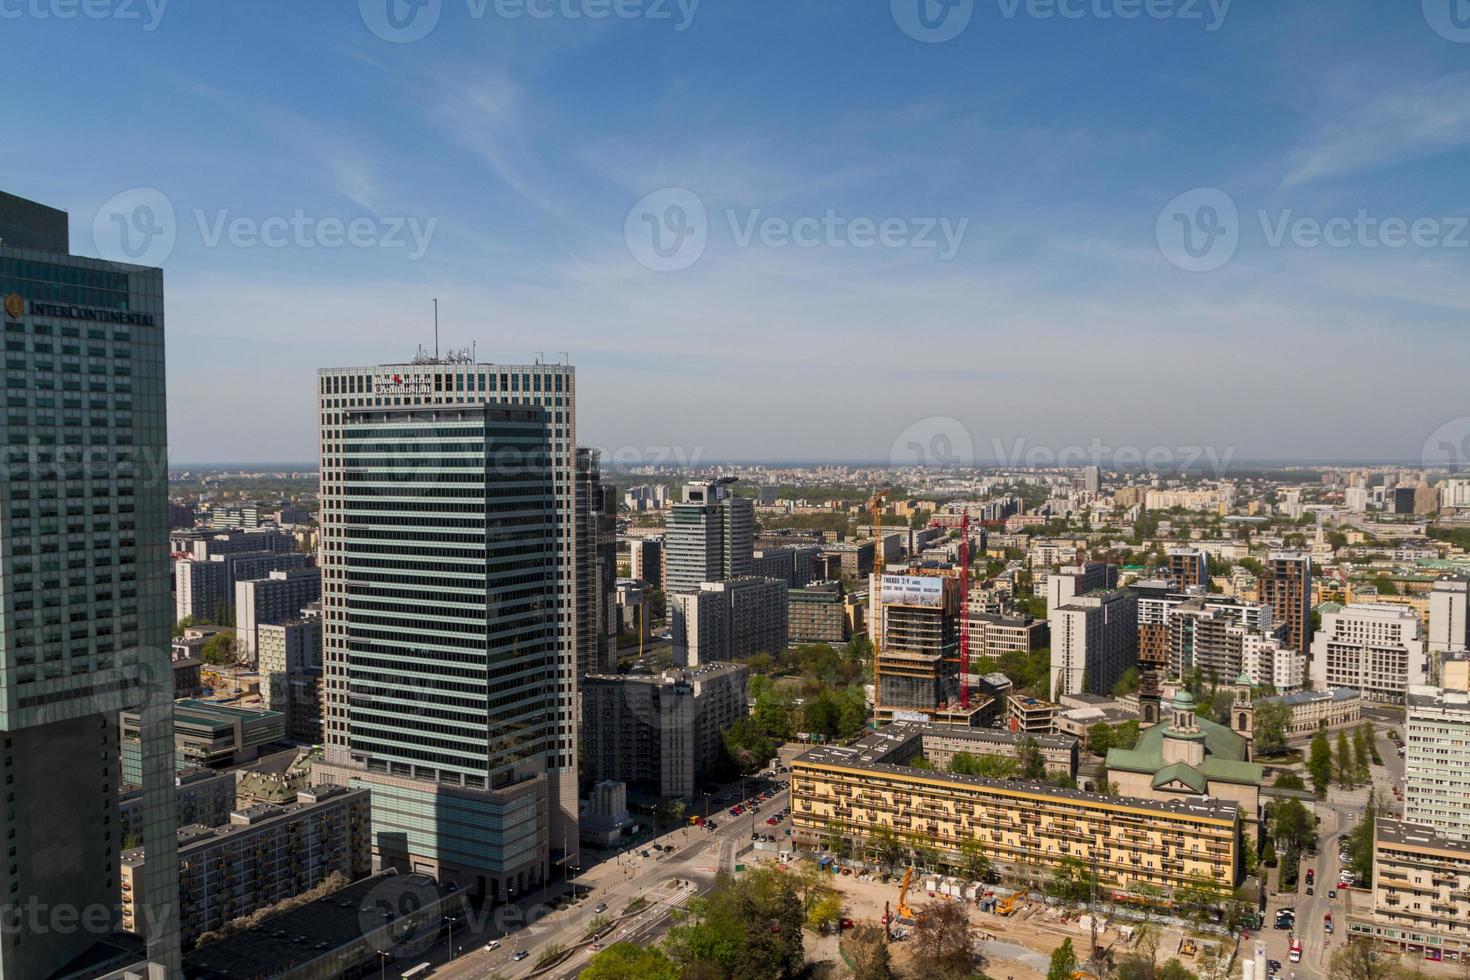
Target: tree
1272	719
1360	757
1360	842
1070	882
1357	960
1290	780
941	941
1063	962
1127	684
1175	970
1292	825
825	913
1319	763
867	949
1371	740
629	961
1033	764
219	649
973	863
886	844
1100	738
746	927
1344	761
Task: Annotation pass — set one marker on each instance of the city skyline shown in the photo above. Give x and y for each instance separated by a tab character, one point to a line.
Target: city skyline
502	164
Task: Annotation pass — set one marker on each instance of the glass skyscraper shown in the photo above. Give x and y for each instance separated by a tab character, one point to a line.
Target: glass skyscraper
446	533
84	625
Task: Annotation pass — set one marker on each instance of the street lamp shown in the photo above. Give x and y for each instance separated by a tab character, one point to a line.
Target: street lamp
382	963
450	919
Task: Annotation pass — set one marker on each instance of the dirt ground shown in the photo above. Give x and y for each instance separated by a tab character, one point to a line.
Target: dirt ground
1036	930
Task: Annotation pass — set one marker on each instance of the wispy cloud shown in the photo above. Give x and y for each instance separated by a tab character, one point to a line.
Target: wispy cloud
1408	123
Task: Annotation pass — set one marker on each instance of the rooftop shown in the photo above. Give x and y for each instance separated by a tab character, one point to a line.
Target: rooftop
867	753
1416	835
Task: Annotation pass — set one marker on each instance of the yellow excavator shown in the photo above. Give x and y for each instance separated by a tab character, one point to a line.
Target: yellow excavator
904	912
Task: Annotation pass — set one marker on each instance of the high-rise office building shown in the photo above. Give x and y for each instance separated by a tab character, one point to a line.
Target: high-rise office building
646	561
1094	640
1286	585
1092	479
597	567
710	536
447	506
85	633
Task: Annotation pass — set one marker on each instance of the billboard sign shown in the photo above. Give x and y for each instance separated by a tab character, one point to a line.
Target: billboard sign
913	590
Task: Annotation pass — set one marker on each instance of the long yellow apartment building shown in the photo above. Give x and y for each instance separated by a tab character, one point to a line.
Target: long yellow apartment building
1026	828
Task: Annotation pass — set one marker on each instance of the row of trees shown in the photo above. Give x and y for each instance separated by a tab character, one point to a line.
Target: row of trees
753	927
1348	765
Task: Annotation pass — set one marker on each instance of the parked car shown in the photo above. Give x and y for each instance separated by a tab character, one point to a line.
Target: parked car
522	954
601	908
492	945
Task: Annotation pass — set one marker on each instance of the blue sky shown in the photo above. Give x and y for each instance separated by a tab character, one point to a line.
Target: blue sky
518	146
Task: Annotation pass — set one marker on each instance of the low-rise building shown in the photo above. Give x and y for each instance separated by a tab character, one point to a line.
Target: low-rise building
1421	892
1033	715
1376	649
264	855
206	736
1025	829
1313	710
941	743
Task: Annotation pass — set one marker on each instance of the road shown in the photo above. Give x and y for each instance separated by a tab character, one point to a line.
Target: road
665	881
1338	818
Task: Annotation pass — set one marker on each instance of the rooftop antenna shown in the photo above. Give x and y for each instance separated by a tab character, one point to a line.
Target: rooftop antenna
436	328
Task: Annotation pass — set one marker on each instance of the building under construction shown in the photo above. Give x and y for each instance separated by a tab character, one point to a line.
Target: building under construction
916	622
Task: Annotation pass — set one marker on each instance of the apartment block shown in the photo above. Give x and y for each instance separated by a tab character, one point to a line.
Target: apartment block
818	614
660	734
1286	586
728	620
1025	829
1437	760
709	536
290	658
646	561
203	797
264	855
1449	615
278	597
994	635
1094	640
1376	649
1188	568
1421	892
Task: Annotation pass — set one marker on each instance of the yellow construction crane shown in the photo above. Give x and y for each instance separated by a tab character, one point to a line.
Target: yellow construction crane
875	506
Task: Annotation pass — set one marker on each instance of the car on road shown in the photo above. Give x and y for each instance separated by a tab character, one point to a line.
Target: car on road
492	945
1309	889
1274	966
520	955
773	821
1332	893
601	908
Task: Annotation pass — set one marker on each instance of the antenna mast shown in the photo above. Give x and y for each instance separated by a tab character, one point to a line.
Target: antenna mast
436	328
